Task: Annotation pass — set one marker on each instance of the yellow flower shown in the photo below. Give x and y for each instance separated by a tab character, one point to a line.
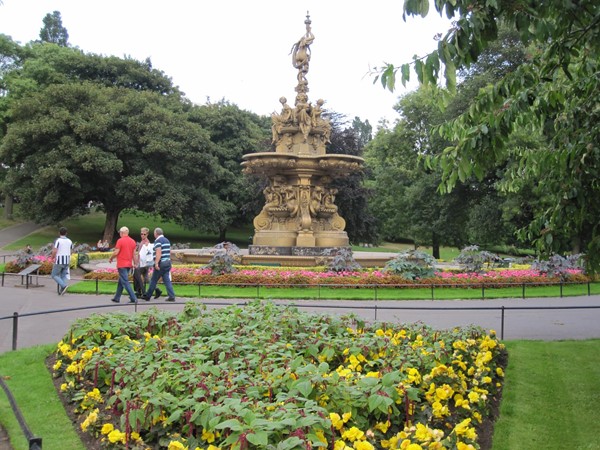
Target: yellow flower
176	445
57	365
63	387
363	445
463	446
341	445
382	426
116	436
208	436
346	416
372	374
321	436
499	371
353	434
336	421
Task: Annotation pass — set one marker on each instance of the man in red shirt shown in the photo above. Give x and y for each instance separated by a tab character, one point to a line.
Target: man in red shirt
125	255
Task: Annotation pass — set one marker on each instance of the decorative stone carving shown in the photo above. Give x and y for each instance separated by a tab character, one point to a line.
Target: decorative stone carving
300	210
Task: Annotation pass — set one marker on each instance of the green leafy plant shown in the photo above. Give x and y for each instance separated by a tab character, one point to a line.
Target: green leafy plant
342	261
412	265
221	263
559	266
229	378
474	260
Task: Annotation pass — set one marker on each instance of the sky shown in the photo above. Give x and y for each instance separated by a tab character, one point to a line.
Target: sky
239	50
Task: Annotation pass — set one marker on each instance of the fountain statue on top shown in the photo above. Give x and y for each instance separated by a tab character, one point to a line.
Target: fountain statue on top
300	216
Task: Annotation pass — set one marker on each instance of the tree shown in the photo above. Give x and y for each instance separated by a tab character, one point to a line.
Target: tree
53	30
234	132
75	143
554	94
353	196
83	128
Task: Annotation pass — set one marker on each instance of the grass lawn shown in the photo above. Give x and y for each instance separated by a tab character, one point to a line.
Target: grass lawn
31	384
550	396
549	399
325	292
88	229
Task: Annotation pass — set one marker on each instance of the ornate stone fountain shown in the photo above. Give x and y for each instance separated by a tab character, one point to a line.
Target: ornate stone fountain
299	217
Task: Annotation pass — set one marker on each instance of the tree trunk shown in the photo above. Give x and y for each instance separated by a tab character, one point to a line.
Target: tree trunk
110	224
222	234
8	206
435	246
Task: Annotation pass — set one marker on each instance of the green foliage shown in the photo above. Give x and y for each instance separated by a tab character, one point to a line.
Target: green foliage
53	31
221	264
294	380
474	260
342	261
553	94
412	265
559	266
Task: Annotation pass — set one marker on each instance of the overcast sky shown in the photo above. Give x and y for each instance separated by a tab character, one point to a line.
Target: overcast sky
239	50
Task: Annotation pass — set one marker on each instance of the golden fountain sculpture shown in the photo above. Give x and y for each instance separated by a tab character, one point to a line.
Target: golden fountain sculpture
299	217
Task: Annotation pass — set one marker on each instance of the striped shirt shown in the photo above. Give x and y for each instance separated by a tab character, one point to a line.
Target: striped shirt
165	247
63	246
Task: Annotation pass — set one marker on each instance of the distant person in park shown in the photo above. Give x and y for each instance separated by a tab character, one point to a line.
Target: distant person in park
61	257
125	255
145	258
103	246
162	266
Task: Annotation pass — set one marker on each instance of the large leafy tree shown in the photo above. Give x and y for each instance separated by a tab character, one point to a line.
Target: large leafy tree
353	194
83	128
555	95
234	132
53	30
73	143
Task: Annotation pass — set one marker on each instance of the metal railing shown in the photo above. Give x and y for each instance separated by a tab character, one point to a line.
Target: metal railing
35	443
375	308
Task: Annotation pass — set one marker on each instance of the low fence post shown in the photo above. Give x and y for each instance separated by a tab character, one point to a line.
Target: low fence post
523	290
561	289
432	295
15	330
97	287
502	324
482	291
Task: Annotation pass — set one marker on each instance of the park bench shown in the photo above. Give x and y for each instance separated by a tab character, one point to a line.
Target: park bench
27	275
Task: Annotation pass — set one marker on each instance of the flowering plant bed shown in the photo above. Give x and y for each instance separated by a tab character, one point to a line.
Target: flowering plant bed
281	277
228	378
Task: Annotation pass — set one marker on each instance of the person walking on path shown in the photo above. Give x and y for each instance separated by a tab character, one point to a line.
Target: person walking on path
162	266
145	260
61	257
125	255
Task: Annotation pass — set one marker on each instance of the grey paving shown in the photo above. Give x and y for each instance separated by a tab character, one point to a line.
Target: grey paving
14	233
36	325
540	324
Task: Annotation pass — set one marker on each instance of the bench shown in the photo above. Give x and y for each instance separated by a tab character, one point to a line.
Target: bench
27	275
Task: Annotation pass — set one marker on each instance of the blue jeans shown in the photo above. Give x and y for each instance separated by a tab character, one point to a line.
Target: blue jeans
59	274
124	284
163	272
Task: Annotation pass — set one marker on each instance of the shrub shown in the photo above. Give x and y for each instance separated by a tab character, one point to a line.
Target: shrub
343	260
473	260
559	266
412	265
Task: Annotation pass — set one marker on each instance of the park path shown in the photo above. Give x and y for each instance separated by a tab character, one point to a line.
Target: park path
14	233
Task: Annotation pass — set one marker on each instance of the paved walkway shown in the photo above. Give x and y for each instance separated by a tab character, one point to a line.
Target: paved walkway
541	324
552	323
14	233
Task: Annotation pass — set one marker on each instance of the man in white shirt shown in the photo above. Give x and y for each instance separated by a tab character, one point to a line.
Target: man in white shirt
61	256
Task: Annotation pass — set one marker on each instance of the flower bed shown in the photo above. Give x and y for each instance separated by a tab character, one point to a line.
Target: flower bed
228	378
281	277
